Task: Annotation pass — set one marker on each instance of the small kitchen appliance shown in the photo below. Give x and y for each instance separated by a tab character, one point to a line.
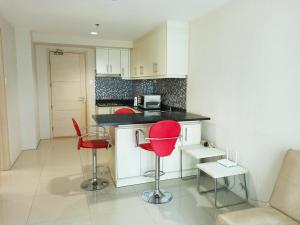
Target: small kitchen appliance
149	101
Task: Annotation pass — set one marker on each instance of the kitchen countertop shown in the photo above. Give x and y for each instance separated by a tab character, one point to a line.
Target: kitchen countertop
114	102
129	103
144	118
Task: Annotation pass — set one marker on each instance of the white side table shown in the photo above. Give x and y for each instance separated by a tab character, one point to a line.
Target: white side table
198	152
216	171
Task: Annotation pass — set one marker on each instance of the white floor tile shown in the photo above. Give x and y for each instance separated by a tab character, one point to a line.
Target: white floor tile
55	207
43	188
78	220
124	216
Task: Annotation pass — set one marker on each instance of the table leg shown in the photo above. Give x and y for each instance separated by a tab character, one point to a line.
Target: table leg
234	204
226	182
181	169
198	181
181	164
246	189
216	192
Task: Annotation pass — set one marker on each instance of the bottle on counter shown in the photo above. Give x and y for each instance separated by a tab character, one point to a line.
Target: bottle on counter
135	101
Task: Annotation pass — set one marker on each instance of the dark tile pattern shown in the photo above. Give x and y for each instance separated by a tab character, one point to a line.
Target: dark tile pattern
173	91
113	88
143	87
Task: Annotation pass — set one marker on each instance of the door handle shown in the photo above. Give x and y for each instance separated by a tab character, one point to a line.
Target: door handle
110	68
81	99
186	133
107	68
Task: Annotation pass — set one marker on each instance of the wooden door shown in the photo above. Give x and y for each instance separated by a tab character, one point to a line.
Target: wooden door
4	148
68	92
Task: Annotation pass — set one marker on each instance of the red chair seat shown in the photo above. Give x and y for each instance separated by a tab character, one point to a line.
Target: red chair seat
95	144
146	146
125	111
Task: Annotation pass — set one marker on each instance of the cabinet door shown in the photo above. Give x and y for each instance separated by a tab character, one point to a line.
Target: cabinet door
125	63
102	64
104	110
171	163
114	61
158	62
133	61
137	54
127	154
191	134
147	157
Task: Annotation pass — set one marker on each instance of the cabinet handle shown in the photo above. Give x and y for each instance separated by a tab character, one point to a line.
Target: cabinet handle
186	133
110	68
141	70
154	67
107	68
137	136
122	71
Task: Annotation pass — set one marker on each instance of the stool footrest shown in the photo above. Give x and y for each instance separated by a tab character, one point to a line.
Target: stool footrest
151	173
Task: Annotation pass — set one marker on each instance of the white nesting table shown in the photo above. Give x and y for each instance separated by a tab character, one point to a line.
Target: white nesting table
199	152
216	171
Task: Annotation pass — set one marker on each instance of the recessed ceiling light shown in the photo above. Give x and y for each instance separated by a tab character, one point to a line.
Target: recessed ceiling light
94	33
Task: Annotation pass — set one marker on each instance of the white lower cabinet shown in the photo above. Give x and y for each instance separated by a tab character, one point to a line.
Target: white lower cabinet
191	135
171	163
132	162
127	154
104	110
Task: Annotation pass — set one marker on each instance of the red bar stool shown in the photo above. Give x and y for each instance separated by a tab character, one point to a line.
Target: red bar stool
94	183
124	111
163	136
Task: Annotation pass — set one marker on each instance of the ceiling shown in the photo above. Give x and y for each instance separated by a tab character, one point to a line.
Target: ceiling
118	19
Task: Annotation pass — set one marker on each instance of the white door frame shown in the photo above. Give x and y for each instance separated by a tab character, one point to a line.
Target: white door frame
4	143
49	50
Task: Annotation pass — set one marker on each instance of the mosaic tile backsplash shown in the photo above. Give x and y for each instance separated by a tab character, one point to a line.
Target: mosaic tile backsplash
173	91
113	88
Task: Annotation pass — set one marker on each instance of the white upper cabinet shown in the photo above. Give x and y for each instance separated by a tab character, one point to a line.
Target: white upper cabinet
102	62
114	58
125	63
108	60
163	52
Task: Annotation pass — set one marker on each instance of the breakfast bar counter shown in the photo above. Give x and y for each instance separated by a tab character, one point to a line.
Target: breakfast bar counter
127	131
145	118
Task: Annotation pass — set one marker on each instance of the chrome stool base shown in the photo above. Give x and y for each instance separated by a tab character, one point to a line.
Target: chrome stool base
94	185
157	196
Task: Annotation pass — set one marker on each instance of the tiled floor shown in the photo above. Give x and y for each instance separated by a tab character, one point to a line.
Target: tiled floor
43	188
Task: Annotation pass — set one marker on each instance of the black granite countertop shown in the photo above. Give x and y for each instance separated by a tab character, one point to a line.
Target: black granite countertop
144	118
114	102
129	103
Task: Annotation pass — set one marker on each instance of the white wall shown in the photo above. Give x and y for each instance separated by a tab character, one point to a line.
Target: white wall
245	75
27	90
39	37
10	72
42	63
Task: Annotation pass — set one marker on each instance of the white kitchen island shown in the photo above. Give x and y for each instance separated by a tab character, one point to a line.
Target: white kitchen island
130	162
